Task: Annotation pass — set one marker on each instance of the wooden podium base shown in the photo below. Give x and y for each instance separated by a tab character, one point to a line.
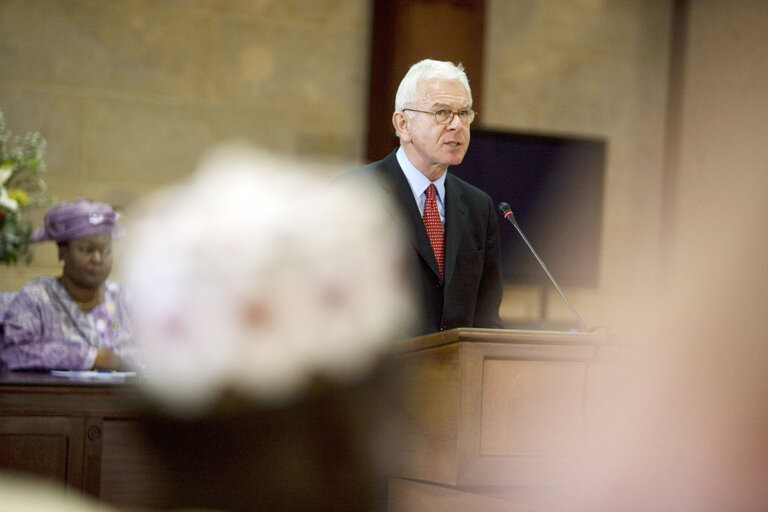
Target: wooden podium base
414	496
495	413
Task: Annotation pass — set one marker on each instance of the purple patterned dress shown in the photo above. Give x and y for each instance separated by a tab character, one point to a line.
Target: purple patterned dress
43	328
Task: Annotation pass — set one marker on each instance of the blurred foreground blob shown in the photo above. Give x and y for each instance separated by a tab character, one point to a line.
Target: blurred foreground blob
688	430
33	493
257	276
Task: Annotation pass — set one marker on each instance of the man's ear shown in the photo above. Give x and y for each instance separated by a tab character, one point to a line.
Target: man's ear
400	122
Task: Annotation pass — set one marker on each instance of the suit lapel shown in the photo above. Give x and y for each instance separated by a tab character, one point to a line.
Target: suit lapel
455	219
415	229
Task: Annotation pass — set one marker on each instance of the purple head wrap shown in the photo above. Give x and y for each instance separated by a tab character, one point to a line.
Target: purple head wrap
81	217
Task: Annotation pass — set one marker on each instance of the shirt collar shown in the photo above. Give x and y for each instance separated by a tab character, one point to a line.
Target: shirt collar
417	180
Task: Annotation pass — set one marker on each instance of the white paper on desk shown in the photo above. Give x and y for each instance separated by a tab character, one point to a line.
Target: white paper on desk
93	375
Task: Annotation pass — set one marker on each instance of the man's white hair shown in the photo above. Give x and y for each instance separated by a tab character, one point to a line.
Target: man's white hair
428	69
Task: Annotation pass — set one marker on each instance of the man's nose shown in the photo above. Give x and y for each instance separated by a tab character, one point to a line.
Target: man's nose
455	122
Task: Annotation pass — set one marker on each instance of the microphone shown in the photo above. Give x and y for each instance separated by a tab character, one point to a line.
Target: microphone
507	212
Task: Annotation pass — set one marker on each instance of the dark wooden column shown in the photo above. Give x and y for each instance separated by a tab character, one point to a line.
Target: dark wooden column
407	31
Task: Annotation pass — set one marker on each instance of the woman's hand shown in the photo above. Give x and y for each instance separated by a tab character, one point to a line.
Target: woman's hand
107	360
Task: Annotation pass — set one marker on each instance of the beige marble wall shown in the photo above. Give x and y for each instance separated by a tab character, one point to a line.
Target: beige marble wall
129	94
722	180
594	68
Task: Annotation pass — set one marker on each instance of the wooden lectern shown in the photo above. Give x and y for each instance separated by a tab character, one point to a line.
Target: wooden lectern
493	417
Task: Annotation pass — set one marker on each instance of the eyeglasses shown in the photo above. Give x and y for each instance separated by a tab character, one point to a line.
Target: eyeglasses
445	116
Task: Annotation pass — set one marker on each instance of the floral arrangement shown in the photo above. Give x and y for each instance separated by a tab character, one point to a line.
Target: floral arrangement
271	281
21	188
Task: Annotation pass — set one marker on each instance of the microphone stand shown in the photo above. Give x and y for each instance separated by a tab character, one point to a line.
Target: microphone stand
507	212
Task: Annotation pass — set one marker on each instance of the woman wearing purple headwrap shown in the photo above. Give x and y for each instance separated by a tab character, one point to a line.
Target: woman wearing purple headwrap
79	320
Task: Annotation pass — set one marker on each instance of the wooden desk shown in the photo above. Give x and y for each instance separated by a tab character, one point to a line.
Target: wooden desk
86	434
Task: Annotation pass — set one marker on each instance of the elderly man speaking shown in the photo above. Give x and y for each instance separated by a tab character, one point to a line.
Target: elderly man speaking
452	224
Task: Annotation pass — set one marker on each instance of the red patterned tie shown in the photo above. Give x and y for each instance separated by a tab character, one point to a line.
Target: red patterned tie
434	228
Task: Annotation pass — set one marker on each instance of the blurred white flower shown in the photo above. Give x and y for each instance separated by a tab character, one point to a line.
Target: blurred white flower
7	202
5	172
257	275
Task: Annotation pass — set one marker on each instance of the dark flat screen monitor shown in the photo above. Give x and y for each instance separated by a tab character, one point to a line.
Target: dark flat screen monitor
554	186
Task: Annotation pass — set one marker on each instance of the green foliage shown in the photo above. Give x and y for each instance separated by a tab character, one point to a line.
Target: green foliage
21	188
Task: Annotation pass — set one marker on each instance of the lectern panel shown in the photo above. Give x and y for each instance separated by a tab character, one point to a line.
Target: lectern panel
531	408
513	406
50	447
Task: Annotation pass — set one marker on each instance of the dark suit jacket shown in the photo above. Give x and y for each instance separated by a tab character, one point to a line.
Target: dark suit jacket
471	293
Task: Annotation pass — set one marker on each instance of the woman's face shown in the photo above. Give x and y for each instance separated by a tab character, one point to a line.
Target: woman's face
87	260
